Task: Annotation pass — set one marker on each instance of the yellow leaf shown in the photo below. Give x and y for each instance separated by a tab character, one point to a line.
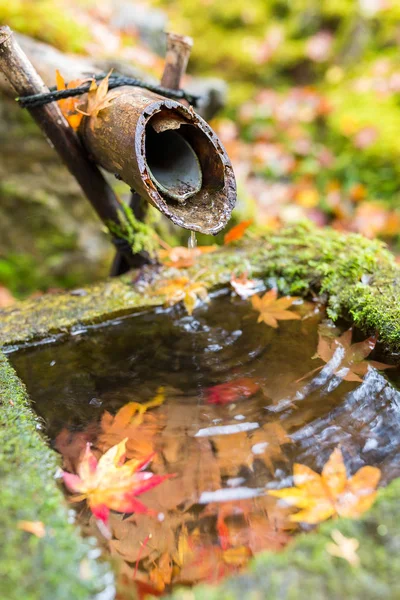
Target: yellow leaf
272	309
331	493
97	97
183	289
35	527
344	547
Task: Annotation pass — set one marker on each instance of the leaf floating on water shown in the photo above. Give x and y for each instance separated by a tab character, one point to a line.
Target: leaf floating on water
36	528
231	391
110	483
237	232
272	309
352	365
183	289
330	494
344	547
181	257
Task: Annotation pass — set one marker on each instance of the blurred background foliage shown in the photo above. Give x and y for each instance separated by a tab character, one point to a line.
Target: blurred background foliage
310	122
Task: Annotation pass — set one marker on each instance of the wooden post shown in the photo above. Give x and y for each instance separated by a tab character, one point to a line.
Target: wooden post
26	81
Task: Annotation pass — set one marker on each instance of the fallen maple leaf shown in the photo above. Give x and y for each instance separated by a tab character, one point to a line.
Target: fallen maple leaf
181	257
69	106
323	496
243	286
110	484
183	289
272	309
37	528
97	97
237	232
224	393
344	547
352	363
134	423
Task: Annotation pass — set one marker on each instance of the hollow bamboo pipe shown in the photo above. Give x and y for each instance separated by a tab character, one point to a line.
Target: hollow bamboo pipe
167	153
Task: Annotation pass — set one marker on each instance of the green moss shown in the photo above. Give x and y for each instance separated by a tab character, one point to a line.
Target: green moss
358	277
307	570
32	568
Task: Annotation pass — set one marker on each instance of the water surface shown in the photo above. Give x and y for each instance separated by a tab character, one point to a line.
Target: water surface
215	513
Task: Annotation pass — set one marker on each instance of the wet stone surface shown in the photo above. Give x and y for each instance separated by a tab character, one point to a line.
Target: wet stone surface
238	412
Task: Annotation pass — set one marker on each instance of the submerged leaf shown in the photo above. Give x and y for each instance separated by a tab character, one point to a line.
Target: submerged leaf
352	366
231	391
111	484
323	496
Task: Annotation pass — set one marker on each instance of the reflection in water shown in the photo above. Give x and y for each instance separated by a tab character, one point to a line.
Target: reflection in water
226	446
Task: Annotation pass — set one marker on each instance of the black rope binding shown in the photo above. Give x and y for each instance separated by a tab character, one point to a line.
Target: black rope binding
114	81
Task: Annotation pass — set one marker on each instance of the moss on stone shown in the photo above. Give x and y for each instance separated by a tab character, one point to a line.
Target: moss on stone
56	566
307	570
358	277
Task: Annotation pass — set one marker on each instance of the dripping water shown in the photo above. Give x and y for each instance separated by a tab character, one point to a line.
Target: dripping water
192	241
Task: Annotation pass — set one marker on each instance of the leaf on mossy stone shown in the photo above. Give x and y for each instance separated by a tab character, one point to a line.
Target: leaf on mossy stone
237	232
183	290
181	257
36	528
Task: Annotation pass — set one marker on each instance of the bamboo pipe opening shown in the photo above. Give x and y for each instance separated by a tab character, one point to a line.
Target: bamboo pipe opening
167	154
173	164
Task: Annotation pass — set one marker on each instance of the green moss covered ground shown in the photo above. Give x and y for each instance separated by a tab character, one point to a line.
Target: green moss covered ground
56	566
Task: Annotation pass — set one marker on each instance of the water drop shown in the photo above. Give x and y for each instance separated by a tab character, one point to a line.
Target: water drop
192	241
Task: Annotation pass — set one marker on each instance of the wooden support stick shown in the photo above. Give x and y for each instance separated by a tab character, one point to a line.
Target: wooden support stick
176	60
26	81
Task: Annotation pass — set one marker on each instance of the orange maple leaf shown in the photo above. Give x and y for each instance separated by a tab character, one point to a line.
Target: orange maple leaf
181	257
97	97
36	528
237	232
272	309
183	289
352	363
134	423
69	106
330	494
109	484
